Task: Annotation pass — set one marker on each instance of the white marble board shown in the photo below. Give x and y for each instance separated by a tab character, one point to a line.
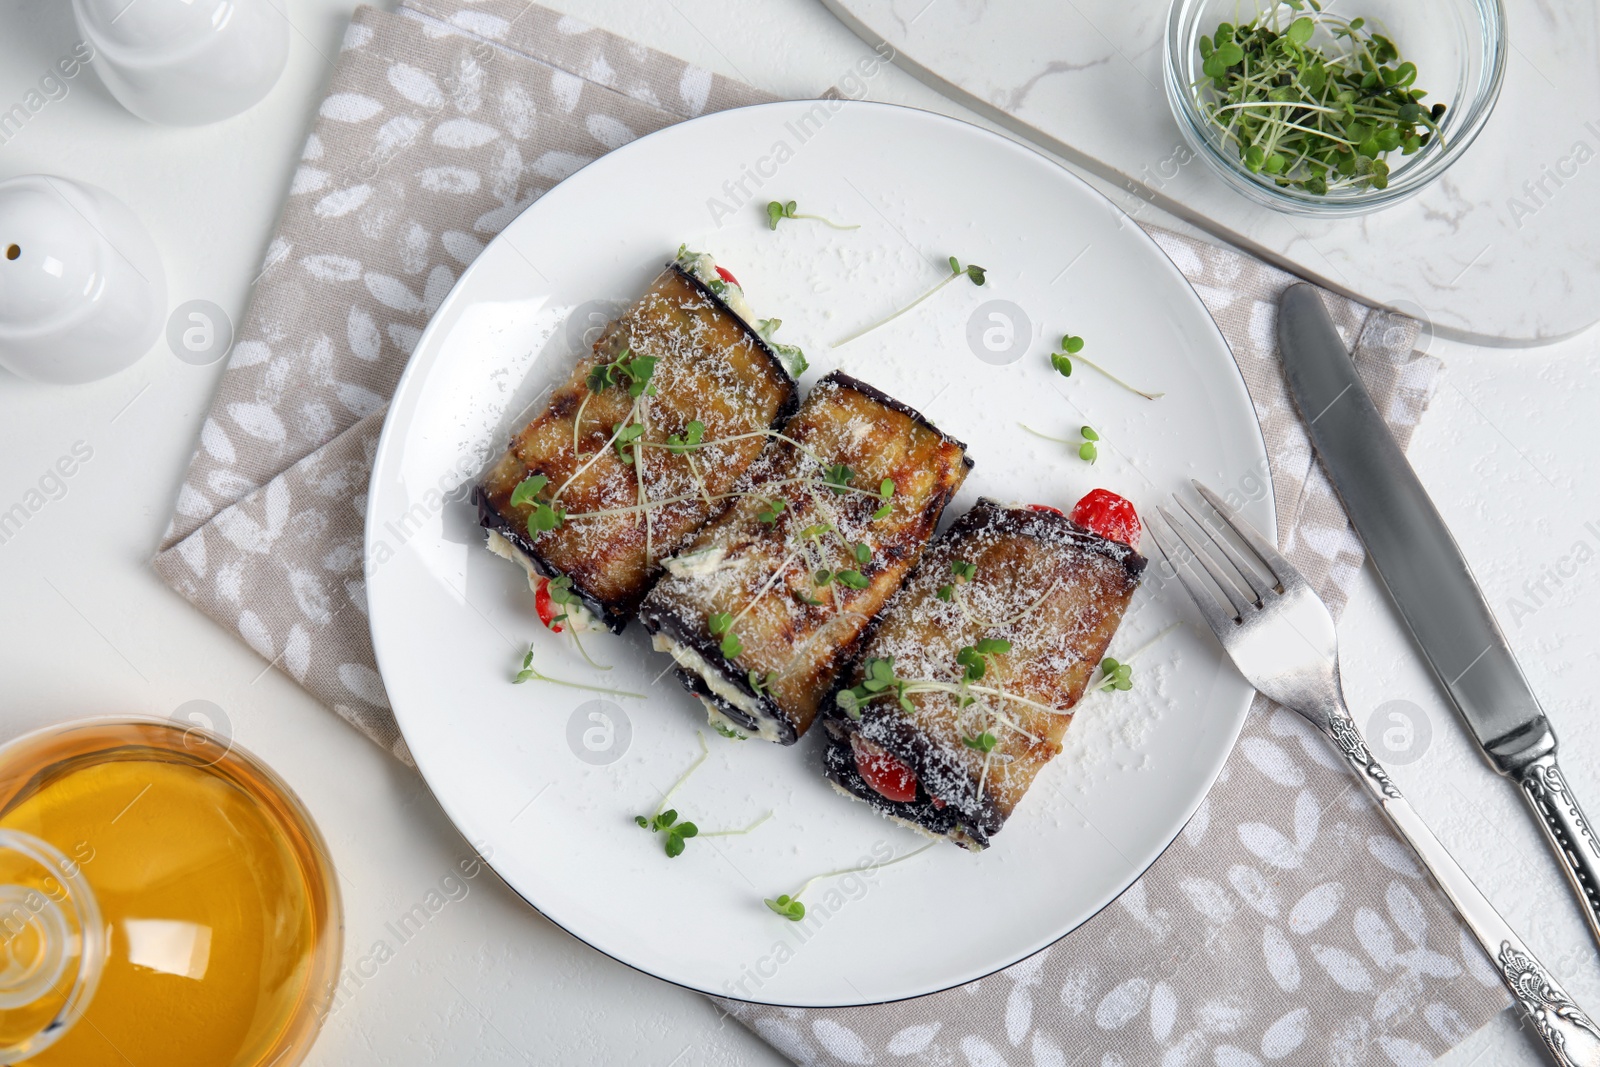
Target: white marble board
1504	249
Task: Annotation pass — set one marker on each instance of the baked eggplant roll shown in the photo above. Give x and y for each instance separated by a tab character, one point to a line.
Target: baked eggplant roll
768	605
967	684
640	446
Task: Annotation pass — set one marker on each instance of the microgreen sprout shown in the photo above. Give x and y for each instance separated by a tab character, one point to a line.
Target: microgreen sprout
878	678
852	578
963	572
528	490
971	272
788	904
622	437
689	440
886	494
777	212
729	732
545	515
529	673
1085	446
634	374
677	832
838	478
759	682
1312	118
1114	675
768	515
984	742
721	625
975	658
794	360
1071	347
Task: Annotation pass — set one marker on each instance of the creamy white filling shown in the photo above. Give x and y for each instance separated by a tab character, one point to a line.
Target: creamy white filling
699	564
704	267
692	661
578	617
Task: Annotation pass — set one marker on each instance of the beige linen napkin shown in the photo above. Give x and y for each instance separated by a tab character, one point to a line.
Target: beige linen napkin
1286	925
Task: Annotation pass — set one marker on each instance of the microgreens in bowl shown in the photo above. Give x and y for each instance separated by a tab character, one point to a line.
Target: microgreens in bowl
1315	105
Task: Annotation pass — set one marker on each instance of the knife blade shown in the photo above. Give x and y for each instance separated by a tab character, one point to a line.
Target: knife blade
1419	563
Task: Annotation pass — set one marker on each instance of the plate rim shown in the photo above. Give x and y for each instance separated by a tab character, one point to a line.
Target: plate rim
414	362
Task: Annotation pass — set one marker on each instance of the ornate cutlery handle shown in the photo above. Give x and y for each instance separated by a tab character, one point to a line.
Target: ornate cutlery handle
1569	832
1569	1035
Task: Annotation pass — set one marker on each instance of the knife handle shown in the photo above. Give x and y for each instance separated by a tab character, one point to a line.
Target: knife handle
1570	834
1571	1038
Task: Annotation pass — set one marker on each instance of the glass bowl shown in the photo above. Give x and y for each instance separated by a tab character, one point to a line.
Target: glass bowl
1458	46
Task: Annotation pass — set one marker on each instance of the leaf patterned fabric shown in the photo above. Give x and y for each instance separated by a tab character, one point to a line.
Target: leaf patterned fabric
1285	925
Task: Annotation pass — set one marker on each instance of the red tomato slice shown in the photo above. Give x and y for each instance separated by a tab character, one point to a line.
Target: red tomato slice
884	772
1108	515
1047	507
727	276
546	607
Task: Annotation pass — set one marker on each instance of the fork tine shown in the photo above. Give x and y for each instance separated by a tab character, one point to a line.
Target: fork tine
1276	565
1218	619
1249	575
1242	605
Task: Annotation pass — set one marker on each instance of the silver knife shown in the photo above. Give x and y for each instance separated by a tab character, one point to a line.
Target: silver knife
1430	582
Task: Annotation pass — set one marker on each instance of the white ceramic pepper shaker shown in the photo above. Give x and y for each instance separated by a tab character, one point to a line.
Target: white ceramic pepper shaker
186	62
82	290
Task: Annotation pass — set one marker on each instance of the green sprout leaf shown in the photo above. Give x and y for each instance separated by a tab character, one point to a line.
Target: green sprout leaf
838	478
687	441
853	579
786	906
794	360
528	489
984	742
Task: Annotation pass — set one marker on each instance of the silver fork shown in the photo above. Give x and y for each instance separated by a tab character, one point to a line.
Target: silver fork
1281	637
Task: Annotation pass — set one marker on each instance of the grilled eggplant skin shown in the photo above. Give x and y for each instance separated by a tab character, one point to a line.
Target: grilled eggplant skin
763	572
711	366
1057	593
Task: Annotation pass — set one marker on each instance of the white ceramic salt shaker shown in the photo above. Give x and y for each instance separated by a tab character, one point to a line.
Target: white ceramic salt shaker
82	290
186	62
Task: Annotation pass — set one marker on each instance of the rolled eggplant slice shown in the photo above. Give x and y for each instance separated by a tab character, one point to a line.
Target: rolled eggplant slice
627	497
768	605
1026	599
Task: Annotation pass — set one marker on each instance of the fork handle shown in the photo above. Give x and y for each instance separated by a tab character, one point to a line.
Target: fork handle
1569	1035
1546	791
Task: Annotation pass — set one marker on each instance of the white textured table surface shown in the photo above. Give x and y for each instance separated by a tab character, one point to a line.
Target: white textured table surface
88	629
1506	261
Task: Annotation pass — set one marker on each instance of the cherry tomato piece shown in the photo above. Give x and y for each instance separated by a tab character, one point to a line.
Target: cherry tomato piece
1108	515
546	607
883	771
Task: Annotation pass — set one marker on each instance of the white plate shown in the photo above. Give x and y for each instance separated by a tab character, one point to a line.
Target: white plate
523	770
